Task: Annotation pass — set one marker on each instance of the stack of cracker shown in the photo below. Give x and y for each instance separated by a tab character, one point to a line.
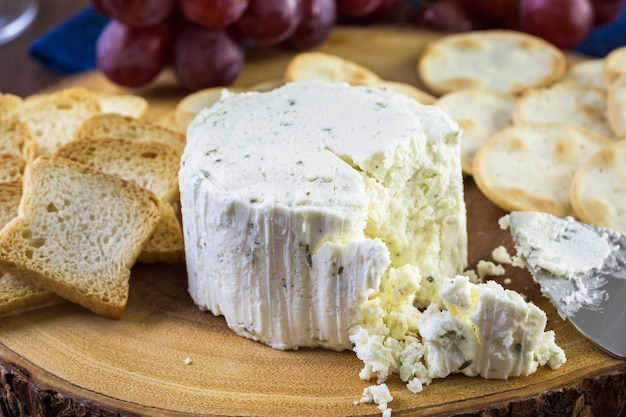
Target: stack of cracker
539	133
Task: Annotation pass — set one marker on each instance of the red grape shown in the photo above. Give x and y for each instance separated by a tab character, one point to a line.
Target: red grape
137	13
564	23
318	18
214	14
204	57
132	57
270	22
445	15
357	8
491	9
606	11
385	8
99	6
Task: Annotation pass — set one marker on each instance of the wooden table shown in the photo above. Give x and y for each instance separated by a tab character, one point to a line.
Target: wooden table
19	73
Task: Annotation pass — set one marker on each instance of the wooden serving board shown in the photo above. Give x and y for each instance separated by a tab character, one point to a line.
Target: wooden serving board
64	360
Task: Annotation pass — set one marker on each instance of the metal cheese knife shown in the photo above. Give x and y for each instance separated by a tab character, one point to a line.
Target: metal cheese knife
594	300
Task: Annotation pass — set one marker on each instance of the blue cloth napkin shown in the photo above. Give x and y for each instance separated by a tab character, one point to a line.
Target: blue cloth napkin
604	39
70	47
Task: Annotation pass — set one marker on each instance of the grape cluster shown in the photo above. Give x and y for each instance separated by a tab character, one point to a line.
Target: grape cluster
564	23
205	42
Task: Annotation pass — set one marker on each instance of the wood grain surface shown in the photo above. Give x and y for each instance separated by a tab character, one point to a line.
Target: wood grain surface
64	360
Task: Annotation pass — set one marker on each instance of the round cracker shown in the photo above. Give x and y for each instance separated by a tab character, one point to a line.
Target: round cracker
499	60
319	65
531	166
616	107
187	108
589	72
480	114
614	65
565	102
598	190
406	89
267	85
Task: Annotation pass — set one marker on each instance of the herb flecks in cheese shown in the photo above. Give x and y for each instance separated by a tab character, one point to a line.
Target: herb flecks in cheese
477	330
308	178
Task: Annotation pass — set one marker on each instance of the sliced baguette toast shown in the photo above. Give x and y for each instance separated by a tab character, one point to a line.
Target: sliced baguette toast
16	294
54	117
11	167
78	232
152	165
112	125
16	138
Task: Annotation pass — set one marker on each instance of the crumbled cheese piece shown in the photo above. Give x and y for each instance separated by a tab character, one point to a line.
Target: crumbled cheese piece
483	329
472	275
501	255
378	394
488	268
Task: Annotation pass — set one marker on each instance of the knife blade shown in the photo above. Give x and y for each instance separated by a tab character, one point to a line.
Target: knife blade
581	269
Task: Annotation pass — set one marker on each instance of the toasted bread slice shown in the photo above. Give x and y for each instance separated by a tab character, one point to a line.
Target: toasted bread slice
10	196
78	232
11	167
117	126
54	117
166	243
17	138
16	294
152	165
9	106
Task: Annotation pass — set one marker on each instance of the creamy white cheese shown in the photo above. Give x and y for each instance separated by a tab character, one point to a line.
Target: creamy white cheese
561	246
565	248
295	203
321	214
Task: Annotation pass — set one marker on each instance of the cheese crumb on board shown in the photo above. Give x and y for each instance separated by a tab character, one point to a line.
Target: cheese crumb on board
380	395
501	255
488	268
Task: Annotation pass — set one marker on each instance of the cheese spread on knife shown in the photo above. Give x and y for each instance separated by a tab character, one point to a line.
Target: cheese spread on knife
324	215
